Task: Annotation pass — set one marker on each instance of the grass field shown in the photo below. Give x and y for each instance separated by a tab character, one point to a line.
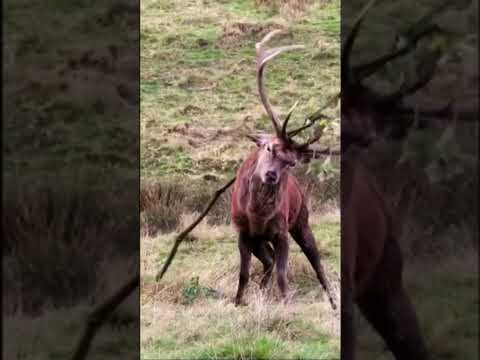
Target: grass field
70	111
190	314
198	90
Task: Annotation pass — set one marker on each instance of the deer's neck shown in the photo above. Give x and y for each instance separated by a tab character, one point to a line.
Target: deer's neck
263	199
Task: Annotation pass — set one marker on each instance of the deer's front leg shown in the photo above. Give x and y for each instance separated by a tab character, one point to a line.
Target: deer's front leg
347	324
348	296
281	258
245	259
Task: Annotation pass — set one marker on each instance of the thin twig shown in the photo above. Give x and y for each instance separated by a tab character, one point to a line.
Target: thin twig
184	233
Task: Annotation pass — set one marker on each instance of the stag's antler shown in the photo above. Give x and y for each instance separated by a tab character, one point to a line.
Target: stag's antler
317	115
348	78
357	96
264	55
352	76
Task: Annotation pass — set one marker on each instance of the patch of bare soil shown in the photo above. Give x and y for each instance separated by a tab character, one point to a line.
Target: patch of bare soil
196	83
236	34
200	135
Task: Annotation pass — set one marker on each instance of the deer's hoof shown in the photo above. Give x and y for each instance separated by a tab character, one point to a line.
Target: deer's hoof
239	302
333	301
286	299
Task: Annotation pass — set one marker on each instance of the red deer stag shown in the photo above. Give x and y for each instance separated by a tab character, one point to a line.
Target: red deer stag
372	264
267	200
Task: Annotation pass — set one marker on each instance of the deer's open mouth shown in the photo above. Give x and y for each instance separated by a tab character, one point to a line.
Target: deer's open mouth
271	177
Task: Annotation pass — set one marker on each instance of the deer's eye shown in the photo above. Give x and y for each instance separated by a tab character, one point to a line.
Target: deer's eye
287	162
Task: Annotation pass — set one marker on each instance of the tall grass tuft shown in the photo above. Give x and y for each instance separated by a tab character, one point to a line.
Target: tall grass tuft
54	232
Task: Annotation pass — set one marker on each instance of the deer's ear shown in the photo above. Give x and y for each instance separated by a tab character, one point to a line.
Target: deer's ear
258	139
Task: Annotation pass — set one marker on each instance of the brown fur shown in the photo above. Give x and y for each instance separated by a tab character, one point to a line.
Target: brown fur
264	214
372	268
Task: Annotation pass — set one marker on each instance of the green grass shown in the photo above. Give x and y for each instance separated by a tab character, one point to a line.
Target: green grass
329	233
59	93
192	74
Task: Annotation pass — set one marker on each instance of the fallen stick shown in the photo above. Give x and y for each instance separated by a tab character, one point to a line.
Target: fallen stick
180	237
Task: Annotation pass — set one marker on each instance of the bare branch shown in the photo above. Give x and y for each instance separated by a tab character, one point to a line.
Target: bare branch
98	316
184	233
317	152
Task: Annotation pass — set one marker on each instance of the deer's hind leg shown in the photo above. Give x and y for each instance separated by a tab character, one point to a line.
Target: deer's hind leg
245	260
388	308
303	236
280	244
264	252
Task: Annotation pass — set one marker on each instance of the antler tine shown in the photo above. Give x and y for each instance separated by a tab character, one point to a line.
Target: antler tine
367	69
287	118
421	29
263	57
311	119
406	90
347	76
267	38
427	68
310	141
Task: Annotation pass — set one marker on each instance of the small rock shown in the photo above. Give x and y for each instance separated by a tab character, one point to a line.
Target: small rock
202	42
210	177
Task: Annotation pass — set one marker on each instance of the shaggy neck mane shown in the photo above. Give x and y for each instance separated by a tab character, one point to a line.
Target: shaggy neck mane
262	198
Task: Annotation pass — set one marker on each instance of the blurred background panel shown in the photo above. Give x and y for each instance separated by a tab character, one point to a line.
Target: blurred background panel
421	148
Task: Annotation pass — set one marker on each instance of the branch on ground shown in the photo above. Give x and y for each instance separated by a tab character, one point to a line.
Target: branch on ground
180	237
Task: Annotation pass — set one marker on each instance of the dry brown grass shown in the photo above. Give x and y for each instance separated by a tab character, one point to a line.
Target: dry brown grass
55	233
291	8
208	321
163	202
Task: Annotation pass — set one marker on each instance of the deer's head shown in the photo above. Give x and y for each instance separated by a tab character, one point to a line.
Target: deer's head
276	152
